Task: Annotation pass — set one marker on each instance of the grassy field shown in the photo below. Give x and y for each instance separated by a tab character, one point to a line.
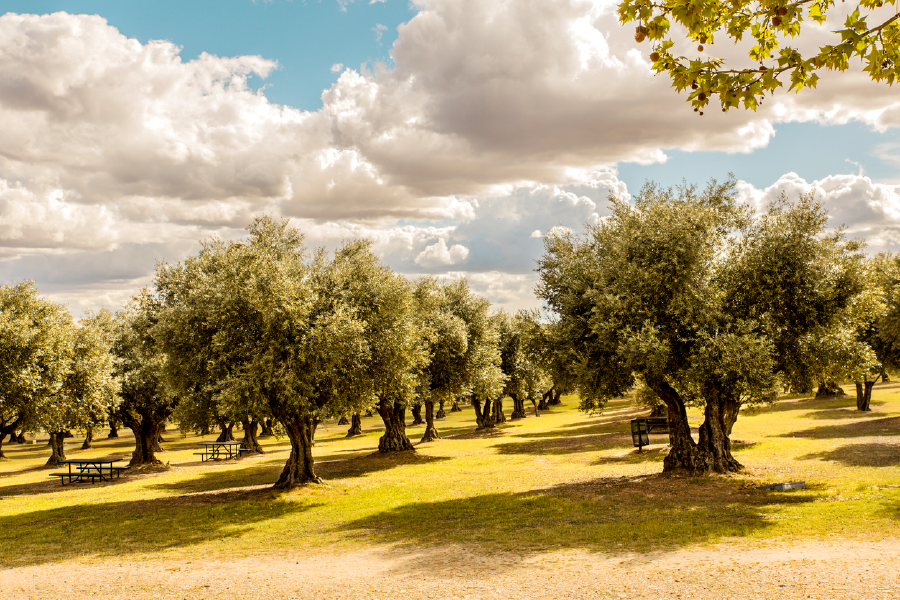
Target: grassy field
563	480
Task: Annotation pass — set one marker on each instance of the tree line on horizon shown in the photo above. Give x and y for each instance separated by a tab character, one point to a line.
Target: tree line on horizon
684	295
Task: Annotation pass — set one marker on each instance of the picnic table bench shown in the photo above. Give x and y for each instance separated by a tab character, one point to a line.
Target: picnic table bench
220	450
90	469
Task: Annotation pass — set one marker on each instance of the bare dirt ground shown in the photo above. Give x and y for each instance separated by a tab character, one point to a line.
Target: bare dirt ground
807	570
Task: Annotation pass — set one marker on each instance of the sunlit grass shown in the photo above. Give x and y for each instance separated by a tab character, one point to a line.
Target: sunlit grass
563	480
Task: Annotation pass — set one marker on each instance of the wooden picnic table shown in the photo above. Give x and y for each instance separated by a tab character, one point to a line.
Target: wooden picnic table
90	469
220	450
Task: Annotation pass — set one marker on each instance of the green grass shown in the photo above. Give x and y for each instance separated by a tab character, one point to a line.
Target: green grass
561	481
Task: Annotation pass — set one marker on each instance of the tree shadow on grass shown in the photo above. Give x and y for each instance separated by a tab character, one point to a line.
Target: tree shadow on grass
874	427
846	412
861	455
610	515
568	444
890	505
116	529
370	463
605	427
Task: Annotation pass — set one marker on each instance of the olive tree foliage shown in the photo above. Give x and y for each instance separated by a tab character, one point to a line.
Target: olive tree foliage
521	350
283	334
883	333
806	289
870	33
199	354
90	391
442	377
395	348
637	298
36	343
145	399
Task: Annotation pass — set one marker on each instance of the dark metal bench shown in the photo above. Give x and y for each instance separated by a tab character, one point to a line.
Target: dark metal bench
642	428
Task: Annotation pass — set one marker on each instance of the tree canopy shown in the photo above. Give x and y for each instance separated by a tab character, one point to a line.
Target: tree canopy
871	33
652	294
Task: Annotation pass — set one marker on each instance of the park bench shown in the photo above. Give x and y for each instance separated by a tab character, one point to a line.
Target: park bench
641	429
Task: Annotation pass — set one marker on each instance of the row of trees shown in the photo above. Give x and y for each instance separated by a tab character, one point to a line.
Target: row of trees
696	300
686	294
259	332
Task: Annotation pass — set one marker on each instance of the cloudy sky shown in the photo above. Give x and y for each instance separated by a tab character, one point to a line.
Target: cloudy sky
453	133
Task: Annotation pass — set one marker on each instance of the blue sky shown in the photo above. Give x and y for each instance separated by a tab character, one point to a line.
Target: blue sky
305	37
488	124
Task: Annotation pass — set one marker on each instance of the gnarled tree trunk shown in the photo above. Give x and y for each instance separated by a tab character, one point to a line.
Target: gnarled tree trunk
499	417
557	394
416	414
249	441
518	411
454	407
57	448
431	433
720	415
343	420
355	425
146	435
226	433
266	429
298	469
485	415
684	454
8	429
864	394
440	414
113	429
544	404
393	414
88	438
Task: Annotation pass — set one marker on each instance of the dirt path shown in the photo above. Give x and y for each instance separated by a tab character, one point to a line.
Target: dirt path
813	570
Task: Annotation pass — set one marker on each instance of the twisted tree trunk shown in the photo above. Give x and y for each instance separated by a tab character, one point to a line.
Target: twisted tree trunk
266	429
227	432
416	414
454	407
249	441
440	413
518	411
88	438
298	469
8	428
864	394
57	448
499	417
544	404
343	420
557	394
684	454
355	425
393	414
431	433
113	429
486	420
720	415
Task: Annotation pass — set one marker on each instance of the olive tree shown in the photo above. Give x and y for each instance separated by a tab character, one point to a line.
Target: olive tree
36	338
871	33
145	400
638	296
89	391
